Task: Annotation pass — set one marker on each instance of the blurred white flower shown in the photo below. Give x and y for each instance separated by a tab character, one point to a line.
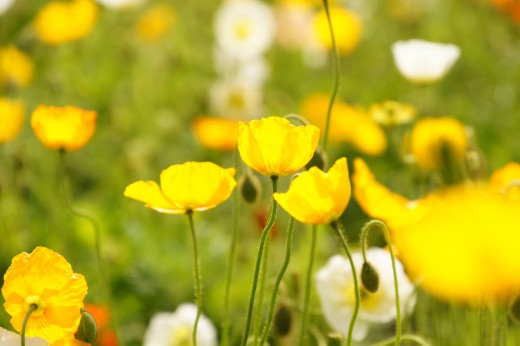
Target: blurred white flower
120	3
252	71
5	5
236	99
294	22
424	62
244	28
8	338
175	328
335	286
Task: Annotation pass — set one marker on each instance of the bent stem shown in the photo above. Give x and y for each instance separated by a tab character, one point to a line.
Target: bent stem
97	232
308	286
336	225
288	244
196	273
263	237
232	250
336	76
32	307
364	244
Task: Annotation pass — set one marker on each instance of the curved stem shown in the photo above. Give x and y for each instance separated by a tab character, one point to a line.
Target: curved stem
32	307
405	337
274	295
198	290
336	225
265	233
97	232
336	76
364	244
308	286
232	250
257	320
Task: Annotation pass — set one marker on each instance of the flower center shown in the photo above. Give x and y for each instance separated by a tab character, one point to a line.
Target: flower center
243	30
38	302
368	301
181	336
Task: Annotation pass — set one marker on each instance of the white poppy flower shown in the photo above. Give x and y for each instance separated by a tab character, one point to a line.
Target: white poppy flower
5	5
175	328
244	28
424	62
8	338
120	3
236	99
335	287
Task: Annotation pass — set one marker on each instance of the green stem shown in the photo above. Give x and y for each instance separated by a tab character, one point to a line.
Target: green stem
364	244
336	225
97	233
198	290
32	307
308	286
265	233
232	250
405	337
257	321
336	76
274	295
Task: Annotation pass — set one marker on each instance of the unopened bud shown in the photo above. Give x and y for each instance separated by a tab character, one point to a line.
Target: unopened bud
319	159
250	187
514	309
369	277
87	329
282	321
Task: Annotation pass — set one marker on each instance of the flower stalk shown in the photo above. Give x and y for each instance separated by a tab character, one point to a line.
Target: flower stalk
274	294
338	228
263	237
32	307
196	273
308	285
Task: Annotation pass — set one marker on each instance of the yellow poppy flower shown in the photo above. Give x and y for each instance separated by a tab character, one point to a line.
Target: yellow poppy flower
430	135
274	147
347	29
506	180
63	127
155	23
216	133
16	67
347	124
316	197
188	187
69	340
44	278
11	117
458	243
60	22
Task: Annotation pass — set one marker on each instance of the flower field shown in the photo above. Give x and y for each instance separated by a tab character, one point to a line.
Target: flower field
254	172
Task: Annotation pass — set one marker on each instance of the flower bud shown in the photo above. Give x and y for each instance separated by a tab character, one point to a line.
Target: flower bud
369	277
282	321
319	159
87	329
250	187
514	309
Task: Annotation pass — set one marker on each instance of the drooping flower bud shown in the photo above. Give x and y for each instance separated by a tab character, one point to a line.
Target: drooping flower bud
514	309
283	320
250	187
87	329
369	277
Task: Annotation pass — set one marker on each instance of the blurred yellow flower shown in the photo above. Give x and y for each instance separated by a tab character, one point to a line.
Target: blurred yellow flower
45	279
274	147
60	22
347	124
155	23
16	67
458	243
216	133
66	127
69	340
316	197
431	137
392	113
347	29
188	187
12	114
507	180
